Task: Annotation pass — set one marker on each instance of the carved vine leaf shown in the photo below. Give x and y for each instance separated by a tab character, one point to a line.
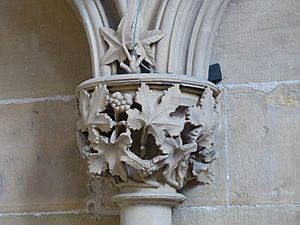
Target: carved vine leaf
129	37
98	104
155	116
204	115
147	38
142	39
116	41
176	161
107	159
198	167
93	118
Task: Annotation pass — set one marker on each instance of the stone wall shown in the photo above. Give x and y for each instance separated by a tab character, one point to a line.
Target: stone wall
44	55
258	47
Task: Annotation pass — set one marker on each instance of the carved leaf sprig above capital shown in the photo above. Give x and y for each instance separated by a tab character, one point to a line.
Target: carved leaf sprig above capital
190	28
146	138
131	42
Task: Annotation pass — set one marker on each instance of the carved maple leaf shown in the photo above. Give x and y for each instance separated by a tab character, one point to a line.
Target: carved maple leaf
204	115
91	107
132	38
142	39
143	46
110	152
115	40
155	116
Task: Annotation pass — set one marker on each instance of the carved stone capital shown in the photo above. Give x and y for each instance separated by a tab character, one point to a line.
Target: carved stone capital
147	131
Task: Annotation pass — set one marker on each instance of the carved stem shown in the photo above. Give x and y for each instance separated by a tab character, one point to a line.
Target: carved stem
133	65
143	141
139	61
125	67
127	53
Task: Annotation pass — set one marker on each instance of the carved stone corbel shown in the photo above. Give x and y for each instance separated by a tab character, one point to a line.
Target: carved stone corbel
147	119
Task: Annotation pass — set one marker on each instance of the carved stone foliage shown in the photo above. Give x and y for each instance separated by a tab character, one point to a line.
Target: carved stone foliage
131	44
191	27
147	137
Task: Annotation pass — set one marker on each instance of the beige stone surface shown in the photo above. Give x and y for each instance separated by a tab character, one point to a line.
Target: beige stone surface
264	131
215	192
63	219
259	41
103	191
40	165
267	215
43	50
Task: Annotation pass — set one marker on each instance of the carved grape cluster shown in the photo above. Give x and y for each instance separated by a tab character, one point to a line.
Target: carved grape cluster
147	169
119	102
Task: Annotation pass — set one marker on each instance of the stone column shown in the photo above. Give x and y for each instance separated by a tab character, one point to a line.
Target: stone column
148	206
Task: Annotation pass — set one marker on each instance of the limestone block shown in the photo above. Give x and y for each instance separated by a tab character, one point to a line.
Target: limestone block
259	41
40	166
264	131
102	190
267	215
64	219
43	50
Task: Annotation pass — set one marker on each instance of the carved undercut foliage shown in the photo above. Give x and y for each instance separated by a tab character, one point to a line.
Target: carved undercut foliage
148	137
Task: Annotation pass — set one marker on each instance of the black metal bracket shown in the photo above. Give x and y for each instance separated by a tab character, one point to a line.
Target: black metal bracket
214	73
